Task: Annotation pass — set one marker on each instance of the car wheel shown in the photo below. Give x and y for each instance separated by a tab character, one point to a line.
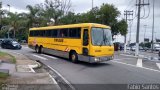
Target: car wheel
3	46
74	57
20	48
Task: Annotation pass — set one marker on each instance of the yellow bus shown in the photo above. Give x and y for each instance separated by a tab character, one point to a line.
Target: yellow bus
88	42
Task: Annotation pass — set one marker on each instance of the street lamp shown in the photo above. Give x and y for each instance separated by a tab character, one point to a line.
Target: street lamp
9	7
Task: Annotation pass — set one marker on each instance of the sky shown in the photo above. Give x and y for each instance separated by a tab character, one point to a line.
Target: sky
80	6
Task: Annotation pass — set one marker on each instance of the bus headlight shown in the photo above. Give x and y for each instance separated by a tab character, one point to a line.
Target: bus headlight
96	59
112	57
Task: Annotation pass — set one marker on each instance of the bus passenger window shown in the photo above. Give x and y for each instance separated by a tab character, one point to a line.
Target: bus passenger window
64	33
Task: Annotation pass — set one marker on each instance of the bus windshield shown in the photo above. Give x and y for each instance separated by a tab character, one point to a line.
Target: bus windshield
101	37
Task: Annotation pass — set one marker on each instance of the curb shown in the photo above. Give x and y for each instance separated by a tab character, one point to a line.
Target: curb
62	82
0	61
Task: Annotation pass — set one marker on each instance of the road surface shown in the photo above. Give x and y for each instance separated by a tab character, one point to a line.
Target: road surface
124	69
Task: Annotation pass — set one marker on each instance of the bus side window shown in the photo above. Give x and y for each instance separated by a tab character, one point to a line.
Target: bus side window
85	37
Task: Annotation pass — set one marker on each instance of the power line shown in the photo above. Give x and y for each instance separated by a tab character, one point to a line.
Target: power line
127	15
144	16
129	4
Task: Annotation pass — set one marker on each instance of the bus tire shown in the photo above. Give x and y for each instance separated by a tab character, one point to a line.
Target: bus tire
74	57
36	49
40	49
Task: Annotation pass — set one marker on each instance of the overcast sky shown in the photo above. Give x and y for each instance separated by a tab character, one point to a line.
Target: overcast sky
80	6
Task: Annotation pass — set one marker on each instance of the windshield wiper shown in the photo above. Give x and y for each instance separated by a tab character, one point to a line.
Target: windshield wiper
102	40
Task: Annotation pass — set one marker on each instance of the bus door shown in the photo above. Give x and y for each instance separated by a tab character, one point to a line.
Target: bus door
85	49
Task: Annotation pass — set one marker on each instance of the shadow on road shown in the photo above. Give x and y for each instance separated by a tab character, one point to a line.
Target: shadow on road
79	62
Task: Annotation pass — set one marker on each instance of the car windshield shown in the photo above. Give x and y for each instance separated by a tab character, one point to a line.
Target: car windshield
101	36
14	42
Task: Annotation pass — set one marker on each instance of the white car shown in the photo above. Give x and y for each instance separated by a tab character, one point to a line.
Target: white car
156	47
133	48
128	48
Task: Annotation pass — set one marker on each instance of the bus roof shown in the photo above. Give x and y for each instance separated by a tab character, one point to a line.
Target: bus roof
71	26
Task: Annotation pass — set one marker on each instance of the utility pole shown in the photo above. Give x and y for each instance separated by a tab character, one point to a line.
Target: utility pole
145	26
92	4
126	14
0	14
130	26
153	27
140	4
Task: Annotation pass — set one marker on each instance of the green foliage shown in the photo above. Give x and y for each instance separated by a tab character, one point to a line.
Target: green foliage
56	12
107	14
122	27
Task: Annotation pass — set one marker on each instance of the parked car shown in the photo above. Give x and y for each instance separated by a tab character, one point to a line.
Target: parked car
10	44
23	41
1	40
128	48
156	47
146	48
133	48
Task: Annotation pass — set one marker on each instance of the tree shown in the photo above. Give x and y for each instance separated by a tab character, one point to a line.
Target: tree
56	9
109	14
14	22
121	27
32	15
69	18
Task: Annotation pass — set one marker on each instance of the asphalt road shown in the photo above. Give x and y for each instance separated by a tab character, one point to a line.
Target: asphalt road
122	70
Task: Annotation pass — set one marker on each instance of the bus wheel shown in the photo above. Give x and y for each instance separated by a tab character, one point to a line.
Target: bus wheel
40	49
74	57
36	49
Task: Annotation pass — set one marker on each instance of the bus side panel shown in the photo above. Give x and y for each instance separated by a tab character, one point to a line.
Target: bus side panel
59	44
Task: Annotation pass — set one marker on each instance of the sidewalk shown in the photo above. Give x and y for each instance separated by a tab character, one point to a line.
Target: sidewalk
23	72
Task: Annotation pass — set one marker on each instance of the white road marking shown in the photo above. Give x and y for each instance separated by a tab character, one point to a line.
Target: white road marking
31	68
128	55
158	65
62	78
136	66
49	56
40	57
116	59
24	47
139	63
123	58
17	53
52	79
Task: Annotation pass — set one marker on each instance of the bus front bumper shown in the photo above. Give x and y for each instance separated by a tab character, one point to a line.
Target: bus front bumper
100	59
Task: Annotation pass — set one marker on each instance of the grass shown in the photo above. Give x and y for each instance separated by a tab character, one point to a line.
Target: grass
3	75
7	56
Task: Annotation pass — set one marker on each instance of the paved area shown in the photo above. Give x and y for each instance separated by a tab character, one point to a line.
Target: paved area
124	69
145	58
23	73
